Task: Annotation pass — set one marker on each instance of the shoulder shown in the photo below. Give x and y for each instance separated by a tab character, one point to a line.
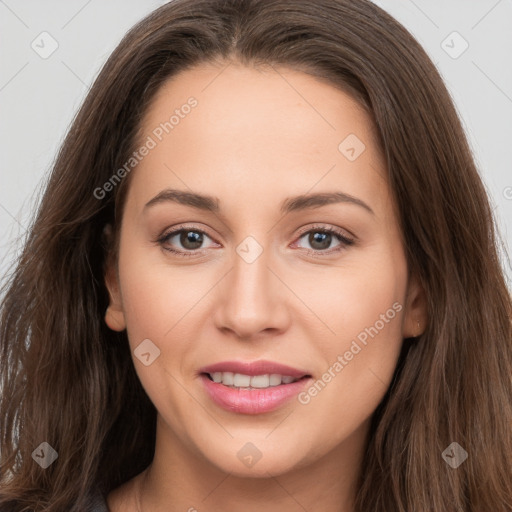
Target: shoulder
97	501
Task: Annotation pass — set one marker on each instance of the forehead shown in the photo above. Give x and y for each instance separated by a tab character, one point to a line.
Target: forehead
263	100
256	127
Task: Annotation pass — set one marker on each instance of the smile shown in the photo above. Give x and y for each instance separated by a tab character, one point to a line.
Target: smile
252	387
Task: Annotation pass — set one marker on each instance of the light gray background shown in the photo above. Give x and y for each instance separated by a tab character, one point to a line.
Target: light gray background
39	97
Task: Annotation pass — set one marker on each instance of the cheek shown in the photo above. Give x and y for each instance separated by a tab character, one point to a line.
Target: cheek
356	295
158	303
365	312
158	298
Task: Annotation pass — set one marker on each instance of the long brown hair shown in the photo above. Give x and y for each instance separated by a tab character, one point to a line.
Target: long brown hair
69	381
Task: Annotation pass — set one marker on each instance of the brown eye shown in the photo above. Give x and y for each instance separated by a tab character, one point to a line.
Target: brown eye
191	239
321	240
184	241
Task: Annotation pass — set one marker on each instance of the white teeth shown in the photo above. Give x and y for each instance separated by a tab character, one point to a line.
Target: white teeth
275	379
228	378
260	381
239	380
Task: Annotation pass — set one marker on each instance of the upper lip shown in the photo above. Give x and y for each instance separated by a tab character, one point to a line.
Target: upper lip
254	368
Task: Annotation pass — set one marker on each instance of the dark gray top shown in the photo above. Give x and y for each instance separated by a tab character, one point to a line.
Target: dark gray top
97	502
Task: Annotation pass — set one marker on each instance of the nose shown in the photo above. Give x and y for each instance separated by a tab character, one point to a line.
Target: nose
252	300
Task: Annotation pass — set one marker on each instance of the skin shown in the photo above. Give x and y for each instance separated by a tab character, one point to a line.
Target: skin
256	137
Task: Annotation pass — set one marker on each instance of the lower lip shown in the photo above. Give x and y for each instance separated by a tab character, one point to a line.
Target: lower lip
252	401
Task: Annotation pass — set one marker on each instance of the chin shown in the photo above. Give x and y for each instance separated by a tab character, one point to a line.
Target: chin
245	460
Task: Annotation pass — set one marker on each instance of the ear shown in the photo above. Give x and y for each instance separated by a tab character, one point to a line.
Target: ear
415	316
114	316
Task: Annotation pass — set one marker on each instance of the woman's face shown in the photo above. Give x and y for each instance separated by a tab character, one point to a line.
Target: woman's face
271	266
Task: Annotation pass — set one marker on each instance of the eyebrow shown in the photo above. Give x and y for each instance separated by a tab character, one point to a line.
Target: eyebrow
290	204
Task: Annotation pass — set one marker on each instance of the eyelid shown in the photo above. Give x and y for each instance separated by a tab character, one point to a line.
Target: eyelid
343	233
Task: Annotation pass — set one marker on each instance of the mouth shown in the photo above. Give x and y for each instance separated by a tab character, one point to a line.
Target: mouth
252	387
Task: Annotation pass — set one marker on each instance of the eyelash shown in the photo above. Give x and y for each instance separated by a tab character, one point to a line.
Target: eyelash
344	240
